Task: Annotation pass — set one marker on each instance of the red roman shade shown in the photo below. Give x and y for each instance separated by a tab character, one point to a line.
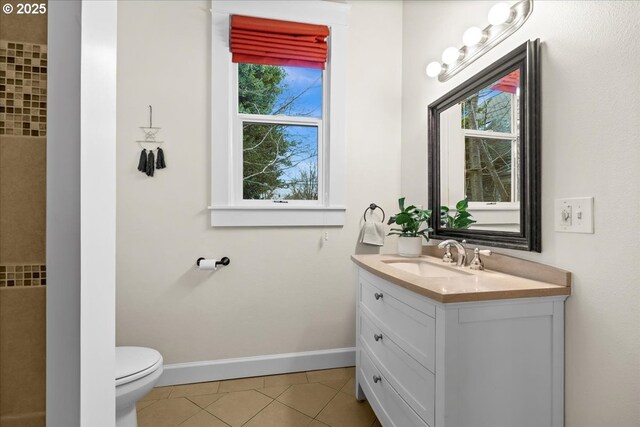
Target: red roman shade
273	42
509	83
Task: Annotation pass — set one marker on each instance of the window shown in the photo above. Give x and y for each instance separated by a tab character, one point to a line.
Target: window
278	130
480	154
279	119
489	122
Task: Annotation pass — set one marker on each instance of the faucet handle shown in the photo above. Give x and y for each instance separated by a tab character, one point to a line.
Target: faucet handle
476	262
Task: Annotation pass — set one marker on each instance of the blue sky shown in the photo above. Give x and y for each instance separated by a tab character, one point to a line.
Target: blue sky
307	84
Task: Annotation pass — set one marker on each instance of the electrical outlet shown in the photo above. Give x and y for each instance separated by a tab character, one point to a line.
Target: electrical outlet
574	215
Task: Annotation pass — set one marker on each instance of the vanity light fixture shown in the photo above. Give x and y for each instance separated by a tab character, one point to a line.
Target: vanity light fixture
433	69
451	55
504	20
473	36
500	14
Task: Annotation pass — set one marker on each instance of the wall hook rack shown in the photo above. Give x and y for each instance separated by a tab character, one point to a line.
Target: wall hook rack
150	131
149	161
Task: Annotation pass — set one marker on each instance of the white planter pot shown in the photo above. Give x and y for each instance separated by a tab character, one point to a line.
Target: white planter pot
410	246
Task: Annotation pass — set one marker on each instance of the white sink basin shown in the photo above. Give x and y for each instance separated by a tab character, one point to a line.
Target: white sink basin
427	269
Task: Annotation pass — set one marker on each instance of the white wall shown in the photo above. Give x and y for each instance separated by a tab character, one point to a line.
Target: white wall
285	290
590	134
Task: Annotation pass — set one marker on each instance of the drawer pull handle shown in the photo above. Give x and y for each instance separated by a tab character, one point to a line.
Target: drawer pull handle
377	337
377	295
376	378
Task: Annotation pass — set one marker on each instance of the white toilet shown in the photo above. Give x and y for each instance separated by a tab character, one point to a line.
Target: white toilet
137	371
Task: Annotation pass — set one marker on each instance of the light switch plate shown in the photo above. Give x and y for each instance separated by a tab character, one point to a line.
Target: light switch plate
574	215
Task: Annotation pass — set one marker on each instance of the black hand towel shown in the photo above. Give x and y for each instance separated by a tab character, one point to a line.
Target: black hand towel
150	163
160	164
142	164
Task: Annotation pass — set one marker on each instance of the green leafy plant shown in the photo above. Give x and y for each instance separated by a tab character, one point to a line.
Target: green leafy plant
410	220
462	219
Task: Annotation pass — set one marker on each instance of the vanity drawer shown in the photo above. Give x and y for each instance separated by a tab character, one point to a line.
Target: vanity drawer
412	299
412	381
413	330
385	401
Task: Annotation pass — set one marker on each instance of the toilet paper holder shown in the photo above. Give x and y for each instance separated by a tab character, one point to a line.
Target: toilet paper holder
224	261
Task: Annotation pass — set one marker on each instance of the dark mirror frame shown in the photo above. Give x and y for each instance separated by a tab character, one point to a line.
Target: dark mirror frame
527	58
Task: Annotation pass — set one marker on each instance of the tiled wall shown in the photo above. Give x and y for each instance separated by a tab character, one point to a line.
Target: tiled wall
23	89
23	361
23	275
23	158
23	128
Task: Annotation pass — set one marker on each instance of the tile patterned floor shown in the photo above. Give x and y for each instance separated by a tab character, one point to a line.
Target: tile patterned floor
303	399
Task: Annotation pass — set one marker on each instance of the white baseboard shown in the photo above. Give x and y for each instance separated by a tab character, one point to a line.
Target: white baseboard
214	370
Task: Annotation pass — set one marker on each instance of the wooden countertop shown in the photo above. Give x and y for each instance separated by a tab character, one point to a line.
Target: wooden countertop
471	285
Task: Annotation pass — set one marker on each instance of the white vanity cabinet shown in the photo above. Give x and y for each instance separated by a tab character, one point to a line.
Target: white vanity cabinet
491	363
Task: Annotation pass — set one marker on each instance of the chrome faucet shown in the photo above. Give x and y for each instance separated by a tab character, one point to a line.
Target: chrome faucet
462	253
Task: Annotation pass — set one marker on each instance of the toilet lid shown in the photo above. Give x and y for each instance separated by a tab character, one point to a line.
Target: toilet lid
135	362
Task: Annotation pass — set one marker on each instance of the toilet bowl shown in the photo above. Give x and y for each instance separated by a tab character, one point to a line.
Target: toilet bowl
137	371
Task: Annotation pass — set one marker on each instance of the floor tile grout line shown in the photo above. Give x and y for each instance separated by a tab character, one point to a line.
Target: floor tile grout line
323	408
275	398
314	417
146	407
297	410
284	375
202	409
252	388
200	395
256	414
150	400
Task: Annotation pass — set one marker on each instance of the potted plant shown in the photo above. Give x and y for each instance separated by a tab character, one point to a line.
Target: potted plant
411	221
462	219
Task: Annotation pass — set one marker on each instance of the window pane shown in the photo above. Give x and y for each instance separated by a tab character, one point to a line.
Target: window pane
488	165
490	108
280	162
274	90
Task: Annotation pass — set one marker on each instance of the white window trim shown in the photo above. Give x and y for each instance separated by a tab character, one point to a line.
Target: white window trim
513	137
226	210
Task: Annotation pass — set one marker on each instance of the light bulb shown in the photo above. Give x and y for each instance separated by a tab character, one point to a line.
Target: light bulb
473	36
499	14
451	55
433	69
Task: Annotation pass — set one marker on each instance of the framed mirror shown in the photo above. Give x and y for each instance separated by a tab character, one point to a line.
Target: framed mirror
484	155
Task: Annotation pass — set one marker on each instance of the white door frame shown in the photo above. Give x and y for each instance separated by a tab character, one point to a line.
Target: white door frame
81	189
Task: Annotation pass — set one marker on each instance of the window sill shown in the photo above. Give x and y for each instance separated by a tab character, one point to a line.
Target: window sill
502	206
277	216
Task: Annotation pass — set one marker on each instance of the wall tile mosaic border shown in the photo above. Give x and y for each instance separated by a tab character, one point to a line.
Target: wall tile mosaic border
23	89
23	275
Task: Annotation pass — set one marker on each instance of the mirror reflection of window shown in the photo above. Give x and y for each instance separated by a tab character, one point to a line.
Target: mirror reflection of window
488	168
489	123
480	155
